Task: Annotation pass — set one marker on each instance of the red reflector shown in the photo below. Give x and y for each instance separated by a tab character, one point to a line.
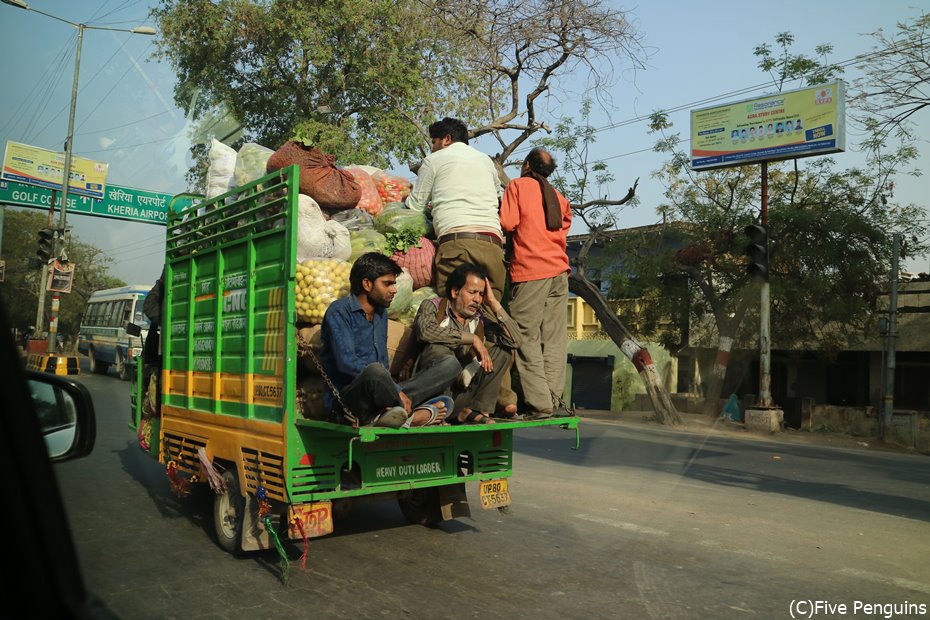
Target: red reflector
308	459
496	439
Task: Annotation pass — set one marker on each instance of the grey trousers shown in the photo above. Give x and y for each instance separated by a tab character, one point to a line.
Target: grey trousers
540	308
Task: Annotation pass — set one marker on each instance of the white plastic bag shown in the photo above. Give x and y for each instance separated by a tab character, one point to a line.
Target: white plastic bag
312	241
250	163
318	237
222	171
341	239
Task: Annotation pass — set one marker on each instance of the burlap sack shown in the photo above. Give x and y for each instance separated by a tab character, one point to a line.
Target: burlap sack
320	179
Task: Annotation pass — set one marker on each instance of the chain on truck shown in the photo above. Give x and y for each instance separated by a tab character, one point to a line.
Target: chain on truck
227	412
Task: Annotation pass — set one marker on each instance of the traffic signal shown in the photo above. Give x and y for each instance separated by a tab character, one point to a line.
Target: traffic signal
46	244
757	252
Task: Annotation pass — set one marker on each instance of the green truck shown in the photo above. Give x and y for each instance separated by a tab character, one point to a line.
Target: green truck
228	412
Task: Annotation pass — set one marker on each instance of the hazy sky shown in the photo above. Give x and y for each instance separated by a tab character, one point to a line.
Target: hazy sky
126	114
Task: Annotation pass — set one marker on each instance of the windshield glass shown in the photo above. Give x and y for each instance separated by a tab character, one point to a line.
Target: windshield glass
138	317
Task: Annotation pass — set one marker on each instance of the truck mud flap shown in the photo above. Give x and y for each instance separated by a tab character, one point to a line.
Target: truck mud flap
453	501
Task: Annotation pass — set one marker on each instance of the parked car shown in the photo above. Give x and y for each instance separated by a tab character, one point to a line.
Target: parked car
46	418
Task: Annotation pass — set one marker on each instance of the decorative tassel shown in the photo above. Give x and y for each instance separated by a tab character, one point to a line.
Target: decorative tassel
303	557
285	564
178	484
264	515
145	435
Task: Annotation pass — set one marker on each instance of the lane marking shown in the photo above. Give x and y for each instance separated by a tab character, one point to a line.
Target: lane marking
886	580
629	527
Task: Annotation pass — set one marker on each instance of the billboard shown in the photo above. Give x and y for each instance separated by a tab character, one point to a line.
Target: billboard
35	166
798	123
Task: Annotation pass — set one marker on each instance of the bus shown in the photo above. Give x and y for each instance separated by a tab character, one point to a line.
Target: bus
103	338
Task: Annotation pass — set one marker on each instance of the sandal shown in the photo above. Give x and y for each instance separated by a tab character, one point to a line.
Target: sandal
391	418
431	407
476	417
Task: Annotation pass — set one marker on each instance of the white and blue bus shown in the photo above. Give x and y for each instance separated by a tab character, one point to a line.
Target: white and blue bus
103	338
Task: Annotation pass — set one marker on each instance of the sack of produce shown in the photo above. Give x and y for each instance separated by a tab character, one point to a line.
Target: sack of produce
370	202
402	349
317	236
320	282
320	179
341	240
251	163
310	397
353	219
364	241
312	241
402	297
372	170
414	224
391	188
418	297
417	259
222	171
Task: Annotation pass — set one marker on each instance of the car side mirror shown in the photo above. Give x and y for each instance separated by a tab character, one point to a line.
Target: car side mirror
133	330
66	415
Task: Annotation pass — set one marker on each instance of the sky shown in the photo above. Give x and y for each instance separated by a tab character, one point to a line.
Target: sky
126	114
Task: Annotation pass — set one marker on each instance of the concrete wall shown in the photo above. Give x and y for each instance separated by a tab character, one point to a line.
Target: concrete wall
908	428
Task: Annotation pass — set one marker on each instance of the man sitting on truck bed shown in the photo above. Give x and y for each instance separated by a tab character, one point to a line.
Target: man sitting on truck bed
453	327
354	356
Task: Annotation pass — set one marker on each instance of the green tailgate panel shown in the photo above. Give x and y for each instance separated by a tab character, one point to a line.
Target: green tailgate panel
230	303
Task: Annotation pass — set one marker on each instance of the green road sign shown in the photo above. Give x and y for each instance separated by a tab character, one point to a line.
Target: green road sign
121	203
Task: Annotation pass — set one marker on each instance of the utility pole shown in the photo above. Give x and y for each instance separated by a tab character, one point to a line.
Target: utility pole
888	399
58	247
765	416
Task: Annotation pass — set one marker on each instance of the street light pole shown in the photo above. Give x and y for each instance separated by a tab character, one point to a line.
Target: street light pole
66	173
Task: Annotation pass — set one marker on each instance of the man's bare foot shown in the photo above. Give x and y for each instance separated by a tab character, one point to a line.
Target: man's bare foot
506	411
424	415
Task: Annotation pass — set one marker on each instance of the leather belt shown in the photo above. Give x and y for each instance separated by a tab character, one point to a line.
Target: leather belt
480	236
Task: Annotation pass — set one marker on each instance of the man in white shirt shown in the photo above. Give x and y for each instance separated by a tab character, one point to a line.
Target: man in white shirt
459	186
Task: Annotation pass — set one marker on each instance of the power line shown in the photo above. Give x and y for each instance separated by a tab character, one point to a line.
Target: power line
112	88
87	84
131	146
129	124
858	59
45	94
132	245
23	107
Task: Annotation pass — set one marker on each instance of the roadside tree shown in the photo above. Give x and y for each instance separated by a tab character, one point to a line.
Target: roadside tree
363	79
20	290
829	232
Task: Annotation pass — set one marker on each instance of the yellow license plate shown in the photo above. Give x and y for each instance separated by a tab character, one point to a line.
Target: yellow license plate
310	520
494	493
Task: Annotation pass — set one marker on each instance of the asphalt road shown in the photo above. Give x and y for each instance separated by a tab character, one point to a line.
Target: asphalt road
640	522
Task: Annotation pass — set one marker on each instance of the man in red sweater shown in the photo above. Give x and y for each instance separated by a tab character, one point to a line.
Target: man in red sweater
538	217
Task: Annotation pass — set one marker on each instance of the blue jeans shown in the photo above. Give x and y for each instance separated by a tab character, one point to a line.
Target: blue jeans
374	390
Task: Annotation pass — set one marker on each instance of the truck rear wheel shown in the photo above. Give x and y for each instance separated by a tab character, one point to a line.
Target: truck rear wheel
421	506
228	514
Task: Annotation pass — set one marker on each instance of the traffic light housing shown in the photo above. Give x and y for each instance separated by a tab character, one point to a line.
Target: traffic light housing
757	252
46	245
